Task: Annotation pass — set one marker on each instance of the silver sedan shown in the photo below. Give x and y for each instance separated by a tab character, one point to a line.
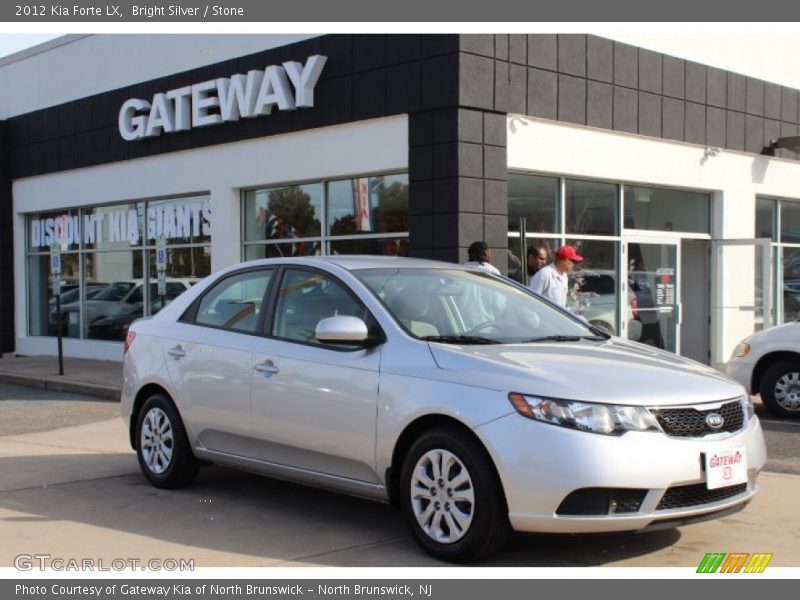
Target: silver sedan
461	397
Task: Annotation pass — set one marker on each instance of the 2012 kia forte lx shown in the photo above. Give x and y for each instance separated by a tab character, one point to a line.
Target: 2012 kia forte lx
465	399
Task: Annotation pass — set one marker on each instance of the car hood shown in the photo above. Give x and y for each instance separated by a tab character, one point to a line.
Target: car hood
613	371
787	331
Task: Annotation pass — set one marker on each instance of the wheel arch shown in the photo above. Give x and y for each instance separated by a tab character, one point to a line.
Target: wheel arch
765	362
141	397
410	434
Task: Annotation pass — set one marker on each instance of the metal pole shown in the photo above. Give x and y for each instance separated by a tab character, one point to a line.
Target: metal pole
60	339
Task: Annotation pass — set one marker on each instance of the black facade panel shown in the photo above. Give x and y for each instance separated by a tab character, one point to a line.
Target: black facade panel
649	114
470	194
445	195
599	59
470	228
335	100
717	87
650	71
542	94
502	86
339	50
495	198
787	130
446	227
572	99
674	119
420	196
737	92
715	127
695	82
476	82
369	52
369	95
470	160
626	110
404	88
470	126
440	81
543	51
772	101
438	44
495	162
626	65
754	134
50	155
755	97
572	54
420	163
420	129
421	233
695	123
401	48
789	105
734	126
445	161
599	104
6	247
674	77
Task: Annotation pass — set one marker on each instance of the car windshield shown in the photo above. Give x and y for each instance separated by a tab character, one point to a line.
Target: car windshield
468	307
115	291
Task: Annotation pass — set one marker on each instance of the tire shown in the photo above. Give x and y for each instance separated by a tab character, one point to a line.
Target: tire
780	389
481	527
162	447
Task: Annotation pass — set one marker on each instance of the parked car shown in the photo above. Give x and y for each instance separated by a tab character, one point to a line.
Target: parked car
768	363
70	297
461	397
123	297
115	327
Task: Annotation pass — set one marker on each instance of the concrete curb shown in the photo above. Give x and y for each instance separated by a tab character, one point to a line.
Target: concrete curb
102	392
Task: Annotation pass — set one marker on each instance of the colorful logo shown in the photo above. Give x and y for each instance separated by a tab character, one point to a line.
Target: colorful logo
736	562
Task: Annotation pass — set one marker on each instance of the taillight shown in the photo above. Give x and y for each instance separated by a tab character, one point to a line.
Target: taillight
129	341
634	308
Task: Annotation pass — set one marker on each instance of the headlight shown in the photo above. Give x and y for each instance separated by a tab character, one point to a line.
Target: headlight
742	350
608	419
748	408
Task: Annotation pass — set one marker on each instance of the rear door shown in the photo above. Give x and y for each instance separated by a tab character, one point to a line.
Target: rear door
209	359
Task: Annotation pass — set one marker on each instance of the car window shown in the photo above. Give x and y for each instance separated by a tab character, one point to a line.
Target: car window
235	302
115	291
304	299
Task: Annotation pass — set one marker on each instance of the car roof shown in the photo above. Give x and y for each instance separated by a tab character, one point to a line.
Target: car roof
354	262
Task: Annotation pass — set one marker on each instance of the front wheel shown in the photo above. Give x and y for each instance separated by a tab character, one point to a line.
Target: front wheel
452	497
162	447
780	389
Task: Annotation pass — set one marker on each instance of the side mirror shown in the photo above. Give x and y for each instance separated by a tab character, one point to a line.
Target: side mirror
342	330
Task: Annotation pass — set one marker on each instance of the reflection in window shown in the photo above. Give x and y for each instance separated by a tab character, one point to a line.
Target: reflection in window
368	205
765	218
379	246
790	222
662	209
288	212
235	302
591	208
593	284
535	199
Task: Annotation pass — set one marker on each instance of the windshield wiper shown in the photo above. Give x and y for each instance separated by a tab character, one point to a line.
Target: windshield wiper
565	338
459	339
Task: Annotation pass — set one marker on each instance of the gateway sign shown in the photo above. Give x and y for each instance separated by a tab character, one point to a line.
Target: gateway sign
287	87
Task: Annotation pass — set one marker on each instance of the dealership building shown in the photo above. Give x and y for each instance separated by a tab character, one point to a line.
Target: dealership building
676	180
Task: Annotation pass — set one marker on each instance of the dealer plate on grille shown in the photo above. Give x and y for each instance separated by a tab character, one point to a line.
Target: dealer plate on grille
724	468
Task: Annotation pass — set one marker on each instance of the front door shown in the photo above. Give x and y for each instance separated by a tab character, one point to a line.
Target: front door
652	266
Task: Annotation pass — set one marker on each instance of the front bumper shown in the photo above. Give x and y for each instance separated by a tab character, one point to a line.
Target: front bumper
540	465
742	372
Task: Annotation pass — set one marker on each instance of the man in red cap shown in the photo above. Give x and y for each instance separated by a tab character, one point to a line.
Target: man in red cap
551	282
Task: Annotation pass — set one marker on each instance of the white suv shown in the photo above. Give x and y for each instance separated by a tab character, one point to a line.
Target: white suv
768	363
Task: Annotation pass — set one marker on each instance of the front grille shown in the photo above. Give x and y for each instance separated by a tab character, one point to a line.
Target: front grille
684	496
690	422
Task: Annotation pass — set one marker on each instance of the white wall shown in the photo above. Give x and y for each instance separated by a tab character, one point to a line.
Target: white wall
734	179
358	148
88	65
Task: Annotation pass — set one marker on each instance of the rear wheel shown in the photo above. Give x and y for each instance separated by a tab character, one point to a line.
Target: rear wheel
452	497
780	389
162	447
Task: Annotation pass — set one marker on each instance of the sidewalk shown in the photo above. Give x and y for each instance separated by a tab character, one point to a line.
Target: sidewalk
99	378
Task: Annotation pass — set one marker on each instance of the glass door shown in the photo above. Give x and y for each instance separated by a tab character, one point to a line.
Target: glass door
653	291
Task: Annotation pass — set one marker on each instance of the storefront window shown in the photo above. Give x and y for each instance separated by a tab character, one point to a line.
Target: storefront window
591	208
662	209
534	199
287	212
104	250
791	284
765	218
593	284
790	222
311	219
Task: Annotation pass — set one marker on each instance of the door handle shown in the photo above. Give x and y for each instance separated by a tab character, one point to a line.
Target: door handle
176	352
267	368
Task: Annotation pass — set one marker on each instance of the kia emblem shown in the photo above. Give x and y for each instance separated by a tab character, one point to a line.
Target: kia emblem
715	421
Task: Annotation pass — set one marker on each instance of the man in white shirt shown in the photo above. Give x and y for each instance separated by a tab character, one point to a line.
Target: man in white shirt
552	281
479	256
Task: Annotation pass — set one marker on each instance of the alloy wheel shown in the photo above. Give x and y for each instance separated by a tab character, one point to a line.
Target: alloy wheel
157	440
787	391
